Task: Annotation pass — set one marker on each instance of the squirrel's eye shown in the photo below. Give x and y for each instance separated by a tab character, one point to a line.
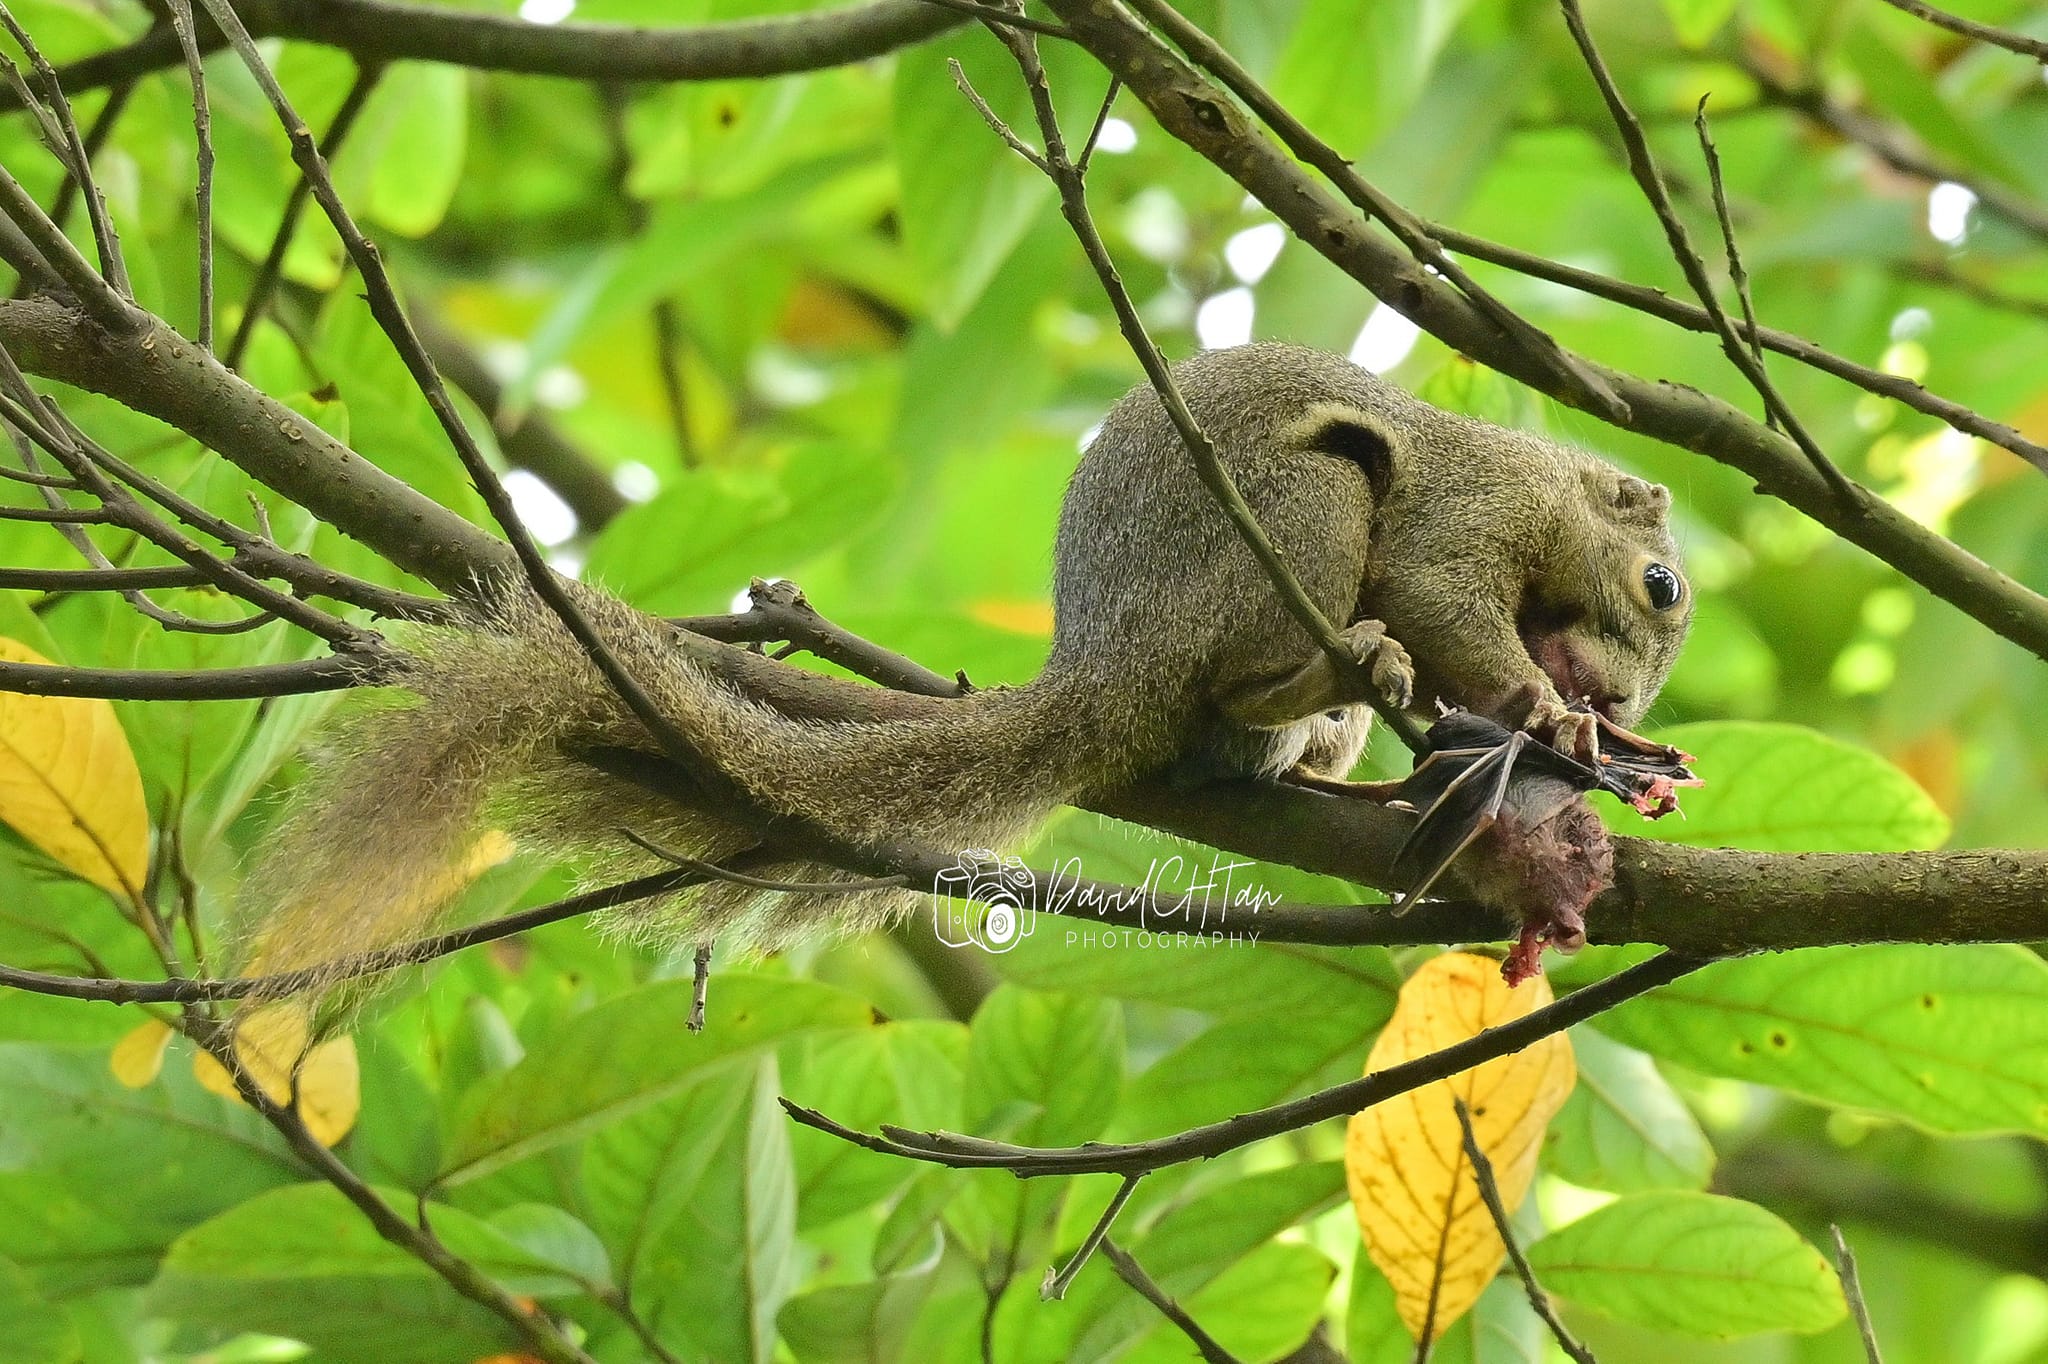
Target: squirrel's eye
1663	587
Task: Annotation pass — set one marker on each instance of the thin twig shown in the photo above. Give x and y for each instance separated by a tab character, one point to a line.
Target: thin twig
711	871
1489	1191
1213	1139
533	1325
1736	274
70	148
118	95
1656	303
390	315
1132	1273
1852	1289
1008	18
1970	28
700	986
202	129
1057	1281
778	610
115	990
1644	168
257	682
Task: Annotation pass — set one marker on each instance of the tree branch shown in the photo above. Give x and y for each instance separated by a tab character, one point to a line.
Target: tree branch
1214	1139
375	31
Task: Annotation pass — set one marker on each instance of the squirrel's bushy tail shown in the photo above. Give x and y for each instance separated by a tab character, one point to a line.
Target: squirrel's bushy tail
385	830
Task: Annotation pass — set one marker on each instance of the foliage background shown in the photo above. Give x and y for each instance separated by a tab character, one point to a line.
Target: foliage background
889	353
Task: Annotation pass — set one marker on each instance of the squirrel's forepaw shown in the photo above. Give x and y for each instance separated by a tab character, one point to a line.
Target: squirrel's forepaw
1574	733
1388	664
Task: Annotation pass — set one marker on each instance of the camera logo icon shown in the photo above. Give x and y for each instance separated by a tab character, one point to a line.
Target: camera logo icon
985	901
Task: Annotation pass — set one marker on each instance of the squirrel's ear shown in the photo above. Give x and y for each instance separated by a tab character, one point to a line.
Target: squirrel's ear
1352	435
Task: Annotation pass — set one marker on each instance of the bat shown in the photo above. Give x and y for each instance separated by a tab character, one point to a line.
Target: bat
1478	773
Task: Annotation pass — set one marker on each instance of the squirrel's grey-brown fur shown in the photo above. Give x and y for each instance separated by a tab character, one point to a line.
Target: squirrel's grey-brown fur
1509	568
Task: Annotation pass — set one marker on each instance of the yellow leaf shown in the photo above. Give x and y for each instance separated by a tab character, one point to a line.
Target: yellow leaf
1417	1201
271	1044
139	1056
69	784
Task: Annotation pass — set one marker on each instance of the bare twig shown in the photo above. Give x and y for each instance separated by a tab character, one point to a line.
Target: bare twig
1057	1281
202	130
700	986
1656	303
1896	148
540	1334
113	990
1644	168
118	95
1970	28
1132	1273
1736	274
1008	18
779	610
334	673
371	30
390	315
1213	1139
1852	1289
712	872
69	148
1489	1192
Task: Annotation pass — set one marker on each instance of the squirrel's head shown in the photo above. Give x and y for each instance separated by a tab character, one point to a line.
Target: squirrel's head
1605	612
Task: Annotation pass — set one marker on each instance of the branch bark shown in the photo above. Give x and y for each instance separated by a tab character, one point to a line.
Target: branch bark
376	31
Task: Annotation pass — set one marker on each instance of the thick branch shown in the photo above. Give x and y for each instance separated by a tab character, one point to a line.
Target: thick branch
375	31
157	372
1692	899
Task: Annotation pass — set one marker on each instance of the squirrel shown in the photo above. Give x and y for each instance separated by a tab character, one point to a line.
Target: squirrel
1467	563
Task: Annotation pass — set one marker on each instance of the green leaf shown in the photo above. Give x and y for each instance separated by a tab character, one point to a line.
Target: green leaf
1195	1246
711	532
1693	1263
38	1331
628	1053
1501	1328
1059	1057
684	239
1953	1038
1695	21
304	1262
1785	788
403	160
117	1173
856	1323
1624	1128
712	1283
967	199
907	1073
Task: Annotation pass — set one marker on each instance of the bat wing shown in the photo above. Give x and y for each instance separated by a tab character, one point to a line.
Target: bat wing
1466	808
